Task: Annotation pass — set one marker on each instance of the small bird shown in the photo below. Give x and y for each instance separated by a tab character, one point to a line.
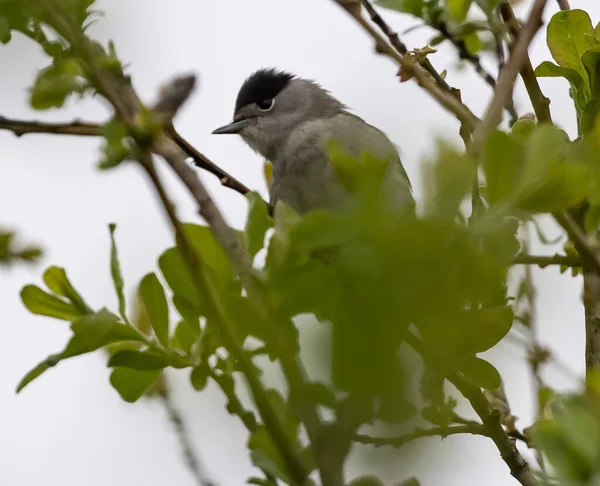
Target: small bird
289	121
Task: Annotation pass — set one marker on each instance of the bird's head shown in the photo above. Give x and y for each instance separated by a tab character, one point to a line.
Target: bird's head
271	104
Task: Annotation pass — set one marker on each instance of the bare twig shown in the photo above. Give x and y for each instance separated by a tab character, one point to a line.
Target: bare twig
490	417
88	129
507	79
588	254
475	61
423	77
541	104
191	458
545	261
564	4
401	440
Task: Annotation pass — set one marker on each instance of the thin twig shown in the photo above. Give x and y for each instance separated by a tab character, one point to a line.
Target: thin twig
88	129
507	79
185	440
545	261
490	417
399	441
475	61
424	78
564	4
540	103
588	254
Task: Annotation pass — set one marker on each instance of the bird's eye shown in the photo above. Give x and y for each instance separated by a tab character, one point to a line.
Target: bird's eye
266	105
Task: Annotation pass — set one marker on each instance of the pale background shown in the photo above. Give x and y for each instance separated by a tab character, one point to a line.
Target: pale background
70	428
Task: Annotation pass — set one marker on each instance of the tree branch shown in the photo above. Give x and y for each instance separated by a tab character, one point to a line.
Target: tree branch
564	4
509	74
423	77
541	104
589	255
490	417
185	441
398	442
544	261
88	129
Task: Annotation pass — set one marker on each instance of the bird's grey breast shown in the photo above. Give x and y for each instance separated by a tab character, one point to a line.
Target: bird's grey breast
303	176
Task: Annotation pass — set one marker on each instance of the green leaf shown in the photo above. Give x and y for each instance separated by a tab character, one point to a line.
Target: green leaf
55	83
153	298
45	365
114	150
206	245
472	43
97	330
185	336
502	163
413	7
56	280
366	481
576	79
479	372
144	360
409	482
257	224
5	34
591	63
570	34
522	129
132	384
199	376
115	271
458	9
178	276
42	303
91	332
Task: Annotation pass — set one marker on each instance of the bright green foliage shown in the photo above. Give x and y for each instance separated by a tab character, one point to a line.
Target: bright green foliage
575	46
115	271
132	384
540	173
55	83
258	223
154	301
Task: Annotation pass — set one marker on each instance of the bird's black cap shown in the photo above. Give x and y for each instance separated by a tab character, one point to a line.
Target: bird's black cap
262	85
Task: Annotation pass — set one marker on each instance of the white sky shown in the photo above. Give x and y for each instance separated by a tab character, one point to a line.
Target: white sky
70	428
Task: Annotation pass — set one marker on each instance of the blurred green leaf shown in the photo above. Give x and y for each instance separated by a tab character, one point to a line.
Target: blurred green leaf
502	163
153	298
115	271
144	360
178	276
479	372
366	481
55	83
199	376
42	303
5	34
413	7
257	224
185	336
115	149
132	384
472	43
214	257
458	9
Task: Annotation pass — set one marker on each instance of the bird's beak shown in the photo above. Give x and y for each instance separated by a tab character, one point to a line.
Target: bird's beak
234	127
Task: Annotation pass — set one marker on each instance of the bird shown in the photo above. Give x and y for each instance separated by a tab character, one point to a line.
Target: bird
289	121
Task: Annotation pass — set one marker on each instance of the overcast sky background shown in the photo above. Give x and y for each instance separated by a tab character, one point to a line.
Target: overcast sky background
70	428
